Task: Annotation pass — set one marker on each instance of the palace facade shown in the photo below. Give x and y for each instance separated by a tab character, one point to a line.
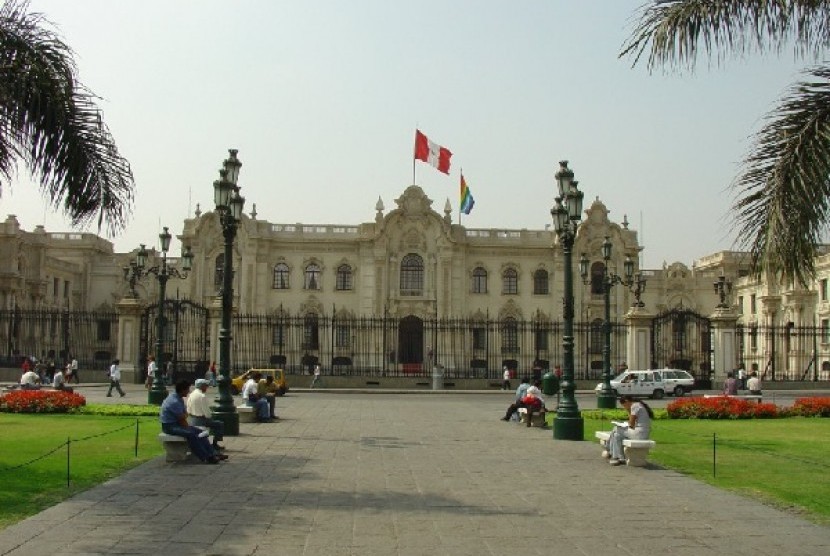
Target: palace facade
405	290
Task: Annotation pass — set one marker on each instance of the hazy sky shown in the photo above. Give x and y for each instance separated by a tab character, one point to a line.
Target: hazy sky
322	100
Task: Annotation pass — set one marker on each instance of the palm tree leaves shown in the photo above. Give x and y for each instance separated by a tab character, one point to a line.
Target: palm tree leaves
673	32
50	121
784	190
783	194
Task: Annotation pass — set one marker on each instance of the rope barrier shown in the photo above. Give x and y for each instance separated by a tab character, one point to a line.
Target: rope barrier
67	444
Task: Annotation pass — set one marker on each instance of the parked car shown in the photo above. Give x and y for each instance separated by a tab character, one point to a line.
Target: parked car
279	378
652	383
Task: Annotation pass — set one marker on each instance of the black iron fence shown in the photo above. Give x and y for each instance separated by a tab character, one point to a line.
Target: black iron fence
56	335
385	346
786	352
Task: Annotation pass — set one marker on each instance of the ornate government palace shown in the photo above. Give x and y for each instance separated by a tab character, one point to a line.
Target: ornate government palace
402	291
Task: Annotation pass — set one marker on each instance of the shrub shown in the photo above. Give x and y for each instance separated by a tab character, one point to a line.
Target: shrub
40	401
811	407
722	407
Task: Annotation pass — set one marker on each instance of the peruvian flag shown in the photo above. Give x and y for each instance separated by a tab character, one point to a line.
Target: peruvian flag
432	153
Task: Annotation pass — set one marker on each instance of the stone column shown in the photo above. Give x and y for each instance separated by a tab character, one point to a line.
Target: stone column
129	311
215	316
724	344
638	341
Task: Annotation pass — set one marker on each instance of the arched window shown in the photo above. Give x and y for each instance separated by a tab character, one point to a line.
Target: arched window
540	282
280	276
412	275
509	336
598	278
343	279
510	282
479	280
312	277
219	271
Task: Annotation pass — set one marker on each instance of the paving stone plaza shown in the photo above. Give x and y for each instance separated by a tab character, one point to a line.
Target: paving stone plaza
396	474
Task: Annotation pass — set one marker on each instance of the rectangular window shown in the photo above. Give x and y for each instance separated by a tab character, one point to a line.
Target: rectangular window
104	326
479	338
66	289
753	307
825	331
541	339
753	338
740	305
341	336
279	336
824	289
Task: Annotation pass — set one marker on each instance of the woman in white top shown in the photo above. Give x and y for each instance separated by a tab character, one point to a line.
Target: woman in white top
639	428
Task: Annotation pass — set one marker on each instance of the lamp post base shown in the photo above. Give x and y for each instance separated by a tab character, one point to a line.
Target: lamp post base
606	400
156	397
568	428
229	418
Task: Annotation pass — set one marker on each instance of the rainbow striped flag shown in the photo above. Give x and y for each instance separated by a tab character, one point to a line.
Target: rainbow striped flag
467	201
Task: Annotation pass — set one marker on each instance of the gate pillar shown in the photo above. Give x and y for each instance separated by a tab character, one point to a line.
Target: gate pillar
724	344
638	341
215	320
129	338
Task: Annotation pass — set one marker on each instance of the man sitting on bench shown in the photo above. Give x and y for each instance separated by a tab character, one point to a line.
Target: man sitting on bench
174	422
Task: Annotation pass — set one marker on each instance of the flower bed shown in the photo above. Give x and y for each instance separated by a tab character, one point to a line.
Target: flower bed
40	401
811	407
722	407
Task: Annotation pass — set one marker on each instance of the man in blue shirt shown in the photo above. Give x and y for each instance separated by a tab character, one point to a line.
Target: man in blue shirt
173	419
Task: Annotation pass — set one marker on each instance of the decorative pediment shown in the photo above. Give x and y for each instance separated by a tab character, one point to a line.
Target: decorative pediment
414	202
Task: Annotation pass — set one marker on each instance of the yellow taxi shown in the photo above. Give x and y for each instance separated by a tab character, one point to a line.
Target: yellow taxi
279	379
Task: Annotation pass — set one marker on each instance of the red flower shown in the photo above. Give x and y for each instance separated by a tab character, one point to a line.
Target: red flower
40	401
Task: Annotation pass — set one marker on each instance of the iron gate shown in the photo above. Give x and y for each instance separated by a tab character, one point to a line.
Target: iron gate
186	342
681	339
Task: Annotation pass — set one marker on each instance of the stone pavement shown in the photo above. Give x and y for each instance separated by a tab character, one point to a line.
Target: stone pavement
419	474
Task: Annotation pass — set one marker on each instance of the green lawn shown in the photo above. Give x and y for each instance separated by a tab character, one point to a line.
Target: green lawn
783	462
97	452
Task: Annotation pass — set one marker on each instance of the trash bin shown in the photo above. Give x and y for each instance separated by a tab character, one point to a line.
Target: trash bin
550	384
438	377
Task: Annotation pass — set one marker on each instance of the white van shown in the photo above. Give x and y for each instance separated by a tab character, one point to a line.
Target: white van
652	384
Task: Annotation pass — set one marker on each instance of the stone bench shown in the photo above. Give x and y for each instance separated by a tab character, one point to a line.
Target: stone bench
636	451
175	447
538	417
246	413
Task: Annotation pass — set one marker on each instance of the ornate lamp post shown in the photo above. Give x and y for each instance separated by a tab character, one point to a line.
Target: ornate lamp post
606	399
229	205
162	272
566	214
723	288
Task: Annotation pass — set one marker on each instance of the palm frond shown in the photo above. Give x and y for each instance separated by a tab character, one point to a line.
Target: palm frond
674	32
783	201
50	121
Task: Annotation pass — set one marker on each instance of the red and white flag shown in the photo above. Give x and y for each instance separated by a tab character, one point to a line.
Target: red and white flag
432	153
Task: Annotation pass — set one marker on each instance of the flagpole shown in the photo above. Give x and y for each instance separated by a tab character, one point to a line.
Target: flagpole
413	155
461	173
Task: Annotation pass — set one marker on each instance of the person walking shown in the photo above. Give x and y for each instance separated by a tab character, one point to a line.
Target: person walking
316	378
505	385
152	368
115	379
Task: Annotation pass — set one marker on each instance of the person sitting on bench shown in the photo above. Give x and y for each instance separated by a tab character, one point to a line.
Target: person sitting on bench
532	401
638	428
174	422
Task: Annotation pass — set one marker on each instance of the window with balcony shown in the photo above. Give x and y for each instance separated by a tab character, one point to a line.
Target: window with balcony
412	275
281	275
312	277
